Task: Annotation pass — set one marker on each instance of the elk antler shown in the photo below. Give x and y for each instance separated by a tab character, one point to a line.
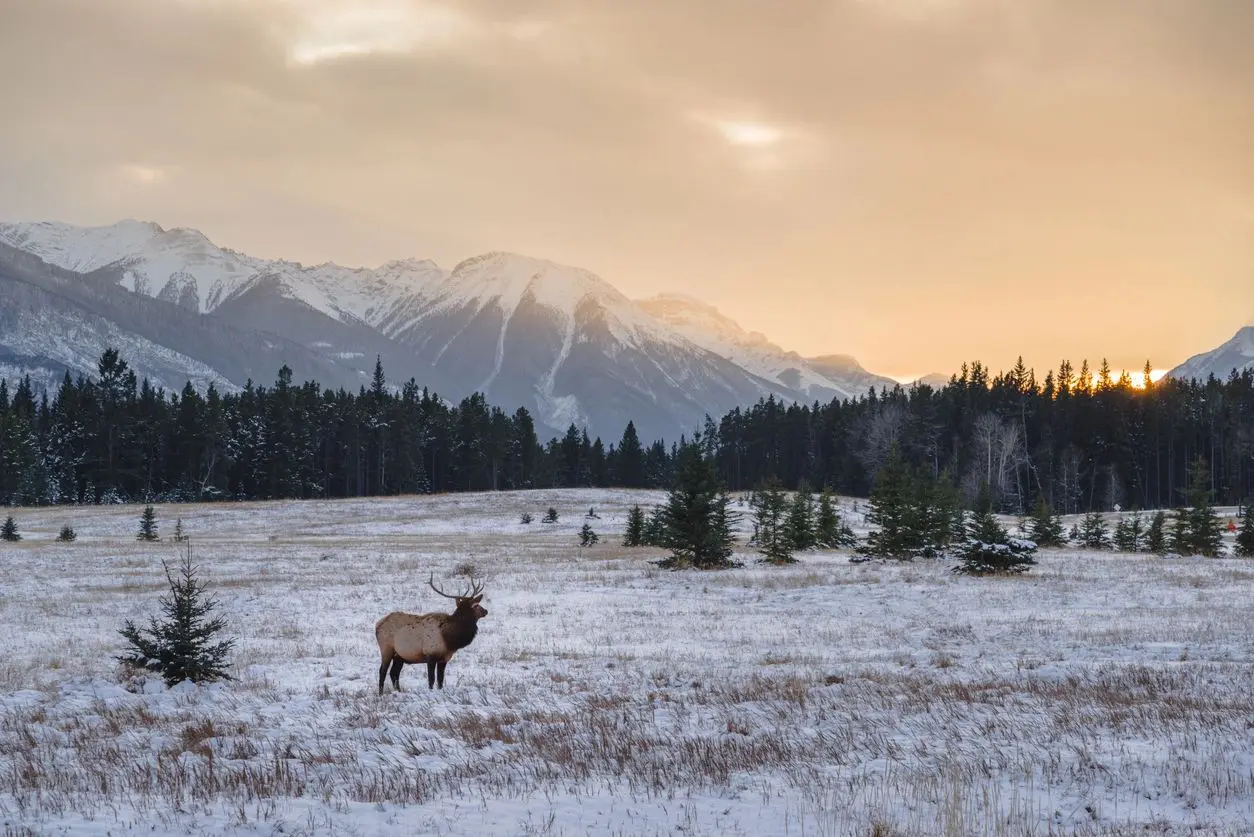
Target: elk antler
431	581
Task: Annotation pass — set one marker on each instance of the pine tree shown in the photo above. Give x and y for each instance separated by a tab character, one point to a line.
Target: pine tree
148	525
633	535
696	516
8	531
1245	536
182	646
587	537
525	518
800	526
1156	535
1205	527
179	535
1045	527
655	529
1179	539
772	532
67	534
1128	534
830	531
550	516
1094	534
989	549
890	511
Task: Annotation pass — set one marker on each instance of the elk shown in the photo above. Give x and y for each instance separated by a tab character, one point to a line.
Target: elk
431	638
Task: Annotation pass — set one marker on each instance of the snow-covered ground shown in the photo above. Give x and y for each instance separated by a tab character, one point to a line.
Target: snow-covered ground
1097	694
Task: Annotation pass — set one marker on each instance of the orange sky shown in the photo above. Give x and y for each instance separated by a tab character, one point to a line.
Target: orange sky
914	182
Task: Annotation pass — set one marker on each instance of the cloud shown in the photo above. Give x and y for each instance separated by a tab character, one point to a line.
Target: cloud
924	157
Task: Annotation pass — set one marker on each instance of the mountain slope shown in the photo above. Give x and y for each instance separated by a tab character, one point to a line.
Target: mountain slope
1237	353
526	332
787	372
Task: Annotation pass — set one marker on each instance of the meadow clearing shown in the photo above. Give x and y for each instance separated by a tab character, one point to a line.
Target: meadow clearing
1099	694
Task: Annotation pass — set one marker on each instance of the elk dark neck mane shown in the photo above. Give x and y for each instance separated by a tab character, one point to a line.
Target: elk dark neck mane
459	630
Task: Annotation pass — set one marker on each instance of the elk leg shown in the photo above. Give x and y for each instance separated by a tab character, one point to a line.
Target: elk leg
383	673
439	674
431	674
397	665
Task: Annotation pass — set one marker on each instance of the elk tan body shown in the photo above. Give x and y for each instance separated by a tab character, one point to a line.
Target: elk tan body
431	638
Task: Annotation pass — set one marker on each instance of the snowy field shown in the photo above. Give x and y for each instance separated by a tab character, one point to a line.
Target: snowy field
1098	694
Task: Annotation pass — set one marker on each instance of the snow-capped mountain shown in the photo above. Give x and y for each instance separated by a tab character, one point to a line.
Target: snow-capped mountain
1237	353
557	340
814	379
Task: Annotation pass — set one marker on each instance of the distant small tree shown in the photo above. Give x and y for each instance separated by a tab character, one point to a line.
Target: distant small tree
1094	533
633	535
890	511
550	516
1156	534
592	514
1206	529
9	531
654	529
800	528
696	516
179	535
772	533
1045	527
587	537
183	645
1129	534
1245	536
525	518
1179	540
67	534
989	549
148	525
831	531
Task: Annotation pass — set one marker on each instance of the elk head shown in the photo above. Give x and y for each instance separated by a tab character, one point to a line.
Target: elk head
467	602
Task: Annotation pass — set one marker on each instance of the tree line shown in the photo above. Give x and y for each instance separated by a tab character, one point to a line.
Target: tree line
1077	441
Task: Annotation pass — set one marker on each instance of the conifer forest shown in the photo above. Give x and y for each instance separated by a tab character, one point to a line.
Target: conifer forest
1078	440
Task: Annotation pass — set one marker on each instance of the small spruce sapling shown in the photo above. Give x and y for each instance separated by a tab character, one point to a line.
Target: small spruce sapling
831	530
179	534
1129	534
9	531
1156	534
1045	527
633	535
67	534
183	645
1178	537
550	516
989	549
525	518
772	532
1094	533
1245	535
148	526
587	537
800	527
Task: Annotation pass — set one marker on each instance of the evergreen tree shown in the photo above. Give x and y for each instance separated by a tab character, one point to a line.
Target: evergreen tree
891	512
67	534
1094	534
1156	535
179	535
696	516
1045	527
633	535
148	526
9	531
1179	539
830	530
1205	527
1129	534
1245	536
631	460
800	529
587	537
655	529
525	518
989	549
550	516
182	646
771	522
